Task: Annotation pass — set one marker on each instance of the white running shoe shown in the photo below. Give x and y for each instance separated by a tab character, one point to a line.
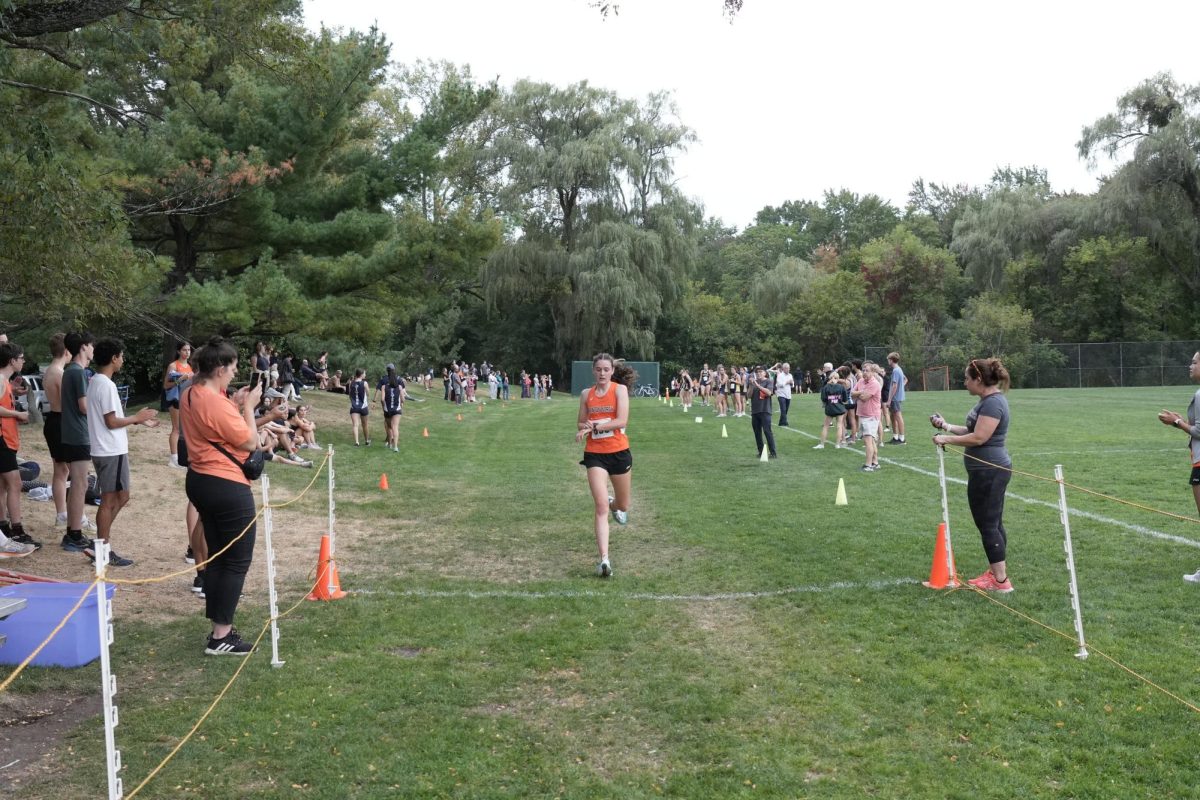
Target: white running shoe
604	569
11	548
60	522
88	525
820	446
1193	577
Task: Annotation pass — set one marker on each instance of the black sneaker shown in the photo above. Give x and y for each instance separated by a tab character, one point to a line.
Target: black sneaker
230	645
76	542
19	535
114	560
198	586
189	557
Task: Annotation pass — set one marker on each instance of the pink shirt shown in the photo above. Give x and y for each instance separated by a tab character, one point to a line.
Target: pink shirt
867	394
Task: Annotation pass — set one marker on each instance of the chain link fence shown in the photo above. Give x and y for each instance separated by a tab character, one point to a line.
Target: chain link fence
1066	365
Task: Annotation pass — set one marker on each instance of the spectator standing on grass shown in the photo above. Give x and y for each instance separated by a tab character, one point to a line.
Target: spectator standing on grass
110	441
216	428
603	415
76	443
1188	424
783	390
14	541
869	406
833	396
761	389
176	376
52	426
989	467
896	398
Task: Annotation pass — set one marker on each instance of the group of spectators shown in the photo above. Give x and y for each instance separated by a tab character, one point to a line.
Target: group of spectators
460	379
212	430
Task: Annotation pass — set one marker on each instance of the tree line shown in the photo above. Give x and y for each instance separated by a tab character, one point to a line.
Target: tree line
183	169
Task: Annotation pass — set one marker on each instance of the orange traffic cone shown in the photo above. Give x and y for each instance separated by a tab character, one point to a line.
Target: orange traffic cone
425	433
479	408
383	484
942	575
321	590
459	417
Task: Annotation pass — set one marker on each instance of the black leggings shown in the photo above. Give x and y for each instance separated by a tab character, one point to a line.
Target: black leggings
985	494
226	507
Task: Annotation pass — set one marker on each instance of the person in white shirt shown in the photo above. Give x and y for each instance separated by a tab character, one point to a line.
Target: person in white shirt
109	440
782	375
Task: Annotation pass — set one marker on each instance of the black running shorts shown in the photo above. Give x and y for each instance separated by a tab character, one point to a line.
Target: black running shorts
613	463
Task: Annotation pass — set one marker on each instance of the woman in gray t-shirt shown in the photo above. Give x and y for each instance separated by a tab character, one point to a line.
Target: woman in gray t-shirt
1188	424
989	468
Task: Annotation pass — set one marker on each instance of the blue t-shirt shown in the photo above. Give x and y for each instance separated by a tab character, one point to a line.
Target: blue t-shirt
897	384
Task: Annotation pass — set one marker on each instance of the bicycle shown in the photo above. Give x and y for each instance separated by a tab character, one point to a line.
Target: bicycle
645	390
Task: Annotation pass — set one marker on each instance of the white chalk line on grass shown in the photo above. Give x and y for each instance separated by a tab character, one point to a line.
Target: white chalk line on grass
572	594
1075	512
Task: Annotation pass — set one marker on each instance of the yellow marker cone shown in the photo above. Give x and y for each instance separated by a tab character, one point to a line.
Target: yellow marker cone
671	403
724	433
765	455
841	494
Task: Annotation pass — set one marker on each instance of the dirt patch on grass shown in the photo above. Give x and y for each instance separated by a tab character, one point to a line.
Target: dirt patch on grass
30	728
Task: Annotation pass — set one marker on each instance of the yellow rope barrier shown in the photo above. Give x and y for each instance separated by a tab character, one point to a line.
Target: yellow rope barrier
1091	648
21	667
160	579
1077	488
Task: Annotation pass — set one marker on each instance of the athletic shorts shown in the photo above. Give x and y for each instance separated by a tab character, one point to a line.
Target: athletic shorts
894	405
1195	476
52	430
75	452
389	414
112	473
613	463
8	459
175	403
869	426
362	412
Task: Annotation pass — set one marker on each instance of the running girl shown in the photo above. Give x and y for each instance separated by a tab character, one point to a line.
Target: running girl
603	414
358	406
393	403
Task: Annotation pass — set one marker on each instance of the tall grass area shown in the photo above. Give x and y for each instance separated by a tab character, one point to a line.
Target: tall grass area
755	641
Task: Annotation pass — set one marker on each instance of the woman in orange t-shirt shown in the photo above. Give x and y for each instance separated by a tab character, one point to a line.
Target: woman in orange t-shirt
603	414
176	377
219	431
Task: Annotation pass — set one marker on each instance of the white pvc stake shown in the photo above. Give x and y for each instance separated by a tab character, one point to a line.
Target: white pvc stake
1065	516
941	454
272	595
108	683
332	533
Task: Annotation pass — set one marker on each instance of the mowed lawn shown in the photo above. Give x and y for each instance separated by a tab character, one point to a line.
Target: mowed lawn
755	641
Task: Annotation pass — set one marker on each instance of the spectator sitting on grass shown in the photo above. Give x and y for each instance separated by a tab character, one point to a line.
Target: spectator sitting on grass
304	428
335	384
273	431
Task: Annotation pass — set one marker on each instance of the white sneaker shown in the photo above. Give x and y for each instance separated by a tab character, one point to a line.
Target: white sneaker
604	569
10	548
1193	577
173	462
87	525
622	517
820	446
60	522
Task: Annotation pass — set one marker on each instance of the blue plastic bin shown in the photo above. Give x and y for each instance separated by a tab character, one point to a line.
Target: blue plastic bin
78	643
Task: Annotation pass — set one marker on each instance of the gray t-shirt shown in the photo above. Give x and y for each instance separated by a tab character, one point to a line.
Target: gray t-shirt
758	403
993	450
1193	413
74	424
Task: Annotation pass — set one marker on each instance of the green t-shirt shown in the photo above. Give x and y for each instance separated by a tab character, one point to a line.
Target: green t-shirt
74	424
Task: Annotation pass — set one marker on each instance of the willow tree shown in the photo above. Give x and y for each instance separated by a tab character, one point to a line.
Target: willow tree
604	239
1155	193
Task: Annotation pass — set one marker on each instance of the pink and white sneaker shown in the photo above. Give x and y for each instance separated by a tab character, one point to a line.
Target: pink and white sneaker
988	583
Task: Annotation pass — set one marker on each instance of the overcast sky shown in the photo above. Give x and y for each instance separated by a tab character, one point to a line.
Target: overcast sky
796	97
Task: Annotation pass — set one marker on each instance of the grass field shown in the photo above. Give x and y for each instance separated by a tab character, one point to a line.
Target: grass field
756	640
